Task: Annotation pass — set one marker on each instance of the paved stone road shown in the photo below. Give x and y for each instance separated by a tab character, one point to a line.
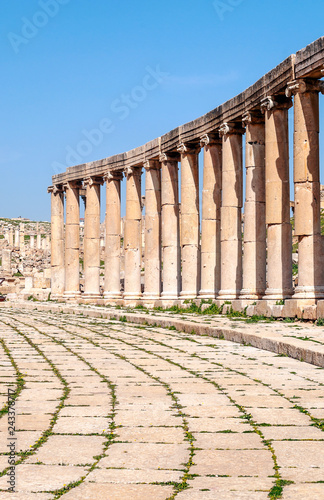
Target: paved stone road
108	410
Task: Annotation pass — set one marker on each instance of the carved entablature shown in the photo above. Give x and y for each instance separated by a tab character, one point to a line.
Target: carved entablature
228	128
209	140
113	176
271	103
188	149
152	165
252	118
72	185
302	86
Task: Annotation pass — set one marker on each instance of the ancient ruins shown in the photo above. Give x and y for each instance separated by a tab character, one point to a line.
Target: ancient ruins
181	261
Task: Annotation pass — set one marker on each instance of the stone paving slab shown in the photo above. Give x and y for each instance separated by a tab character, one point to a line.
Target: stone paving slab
136	406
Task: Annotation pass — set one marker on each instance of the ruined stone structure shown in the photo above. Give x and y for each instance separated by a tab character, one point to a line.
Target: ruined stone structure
186	261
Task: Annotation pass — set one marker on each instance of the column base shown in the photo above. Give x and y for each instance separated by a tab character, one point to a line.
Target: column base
188	295
71	295
208	294
229	294
89	296
278	294
150	296
252	294
113	295
132	296
56	296
169	296
309	292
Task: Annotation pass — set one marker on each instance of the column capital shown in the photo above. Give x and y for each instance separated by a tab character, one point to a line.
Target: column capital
113	175
55	189
91	181
270	103
165	157
188	149
230	128
72	185
301	86
129	171
252	118
152	165
209	140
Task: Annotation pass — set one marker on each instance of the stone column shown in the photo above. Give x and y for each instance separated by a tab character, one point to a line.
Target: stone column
72	240
22	237
307	188
17	238
132	241
92	238
57	247
32	241
112	249
48	242
231	216
279	234
39	241
6	260
11	237
190	231
152	223
210	224
255	248
170	227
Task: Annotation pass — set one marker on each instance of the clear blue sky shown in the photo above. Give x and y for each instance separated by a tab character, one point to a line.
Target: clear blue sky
64	74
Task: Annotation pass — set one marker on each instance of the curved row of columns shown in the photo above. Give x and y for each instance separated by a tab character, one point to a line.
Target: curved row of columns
183	262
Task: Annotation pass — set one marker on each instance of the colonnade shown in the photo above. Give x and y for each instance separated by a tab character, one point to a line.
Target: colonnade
205	255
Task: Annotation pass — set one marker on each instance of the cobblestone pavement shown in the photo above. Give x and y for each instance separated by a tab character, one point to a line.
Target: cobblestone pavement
109	410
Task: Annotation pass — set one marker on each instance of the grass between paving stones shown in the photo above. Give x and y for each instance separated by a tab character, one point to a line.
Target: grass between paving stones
178	486
112	426
276	491
20	382
45	435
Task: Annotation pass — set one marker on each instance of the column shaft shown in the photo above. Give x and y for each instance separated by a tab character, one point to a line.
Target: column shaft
113	226
190	230
210	224
92	239
255	249
231	216
132	240
72	241
279	233
307	189
152	260
170	228
57	245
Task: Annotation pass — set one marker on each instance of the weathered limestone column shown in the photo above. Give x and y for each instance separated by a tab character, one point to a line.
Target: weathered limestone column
210	224
112	249
48	242
11	237
231	216
22	237
92	238
32	241
279	233
72	240
17	238
307	188
39	241
255	248
132	241
57	247
6	260
170	227
152	256
190	231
